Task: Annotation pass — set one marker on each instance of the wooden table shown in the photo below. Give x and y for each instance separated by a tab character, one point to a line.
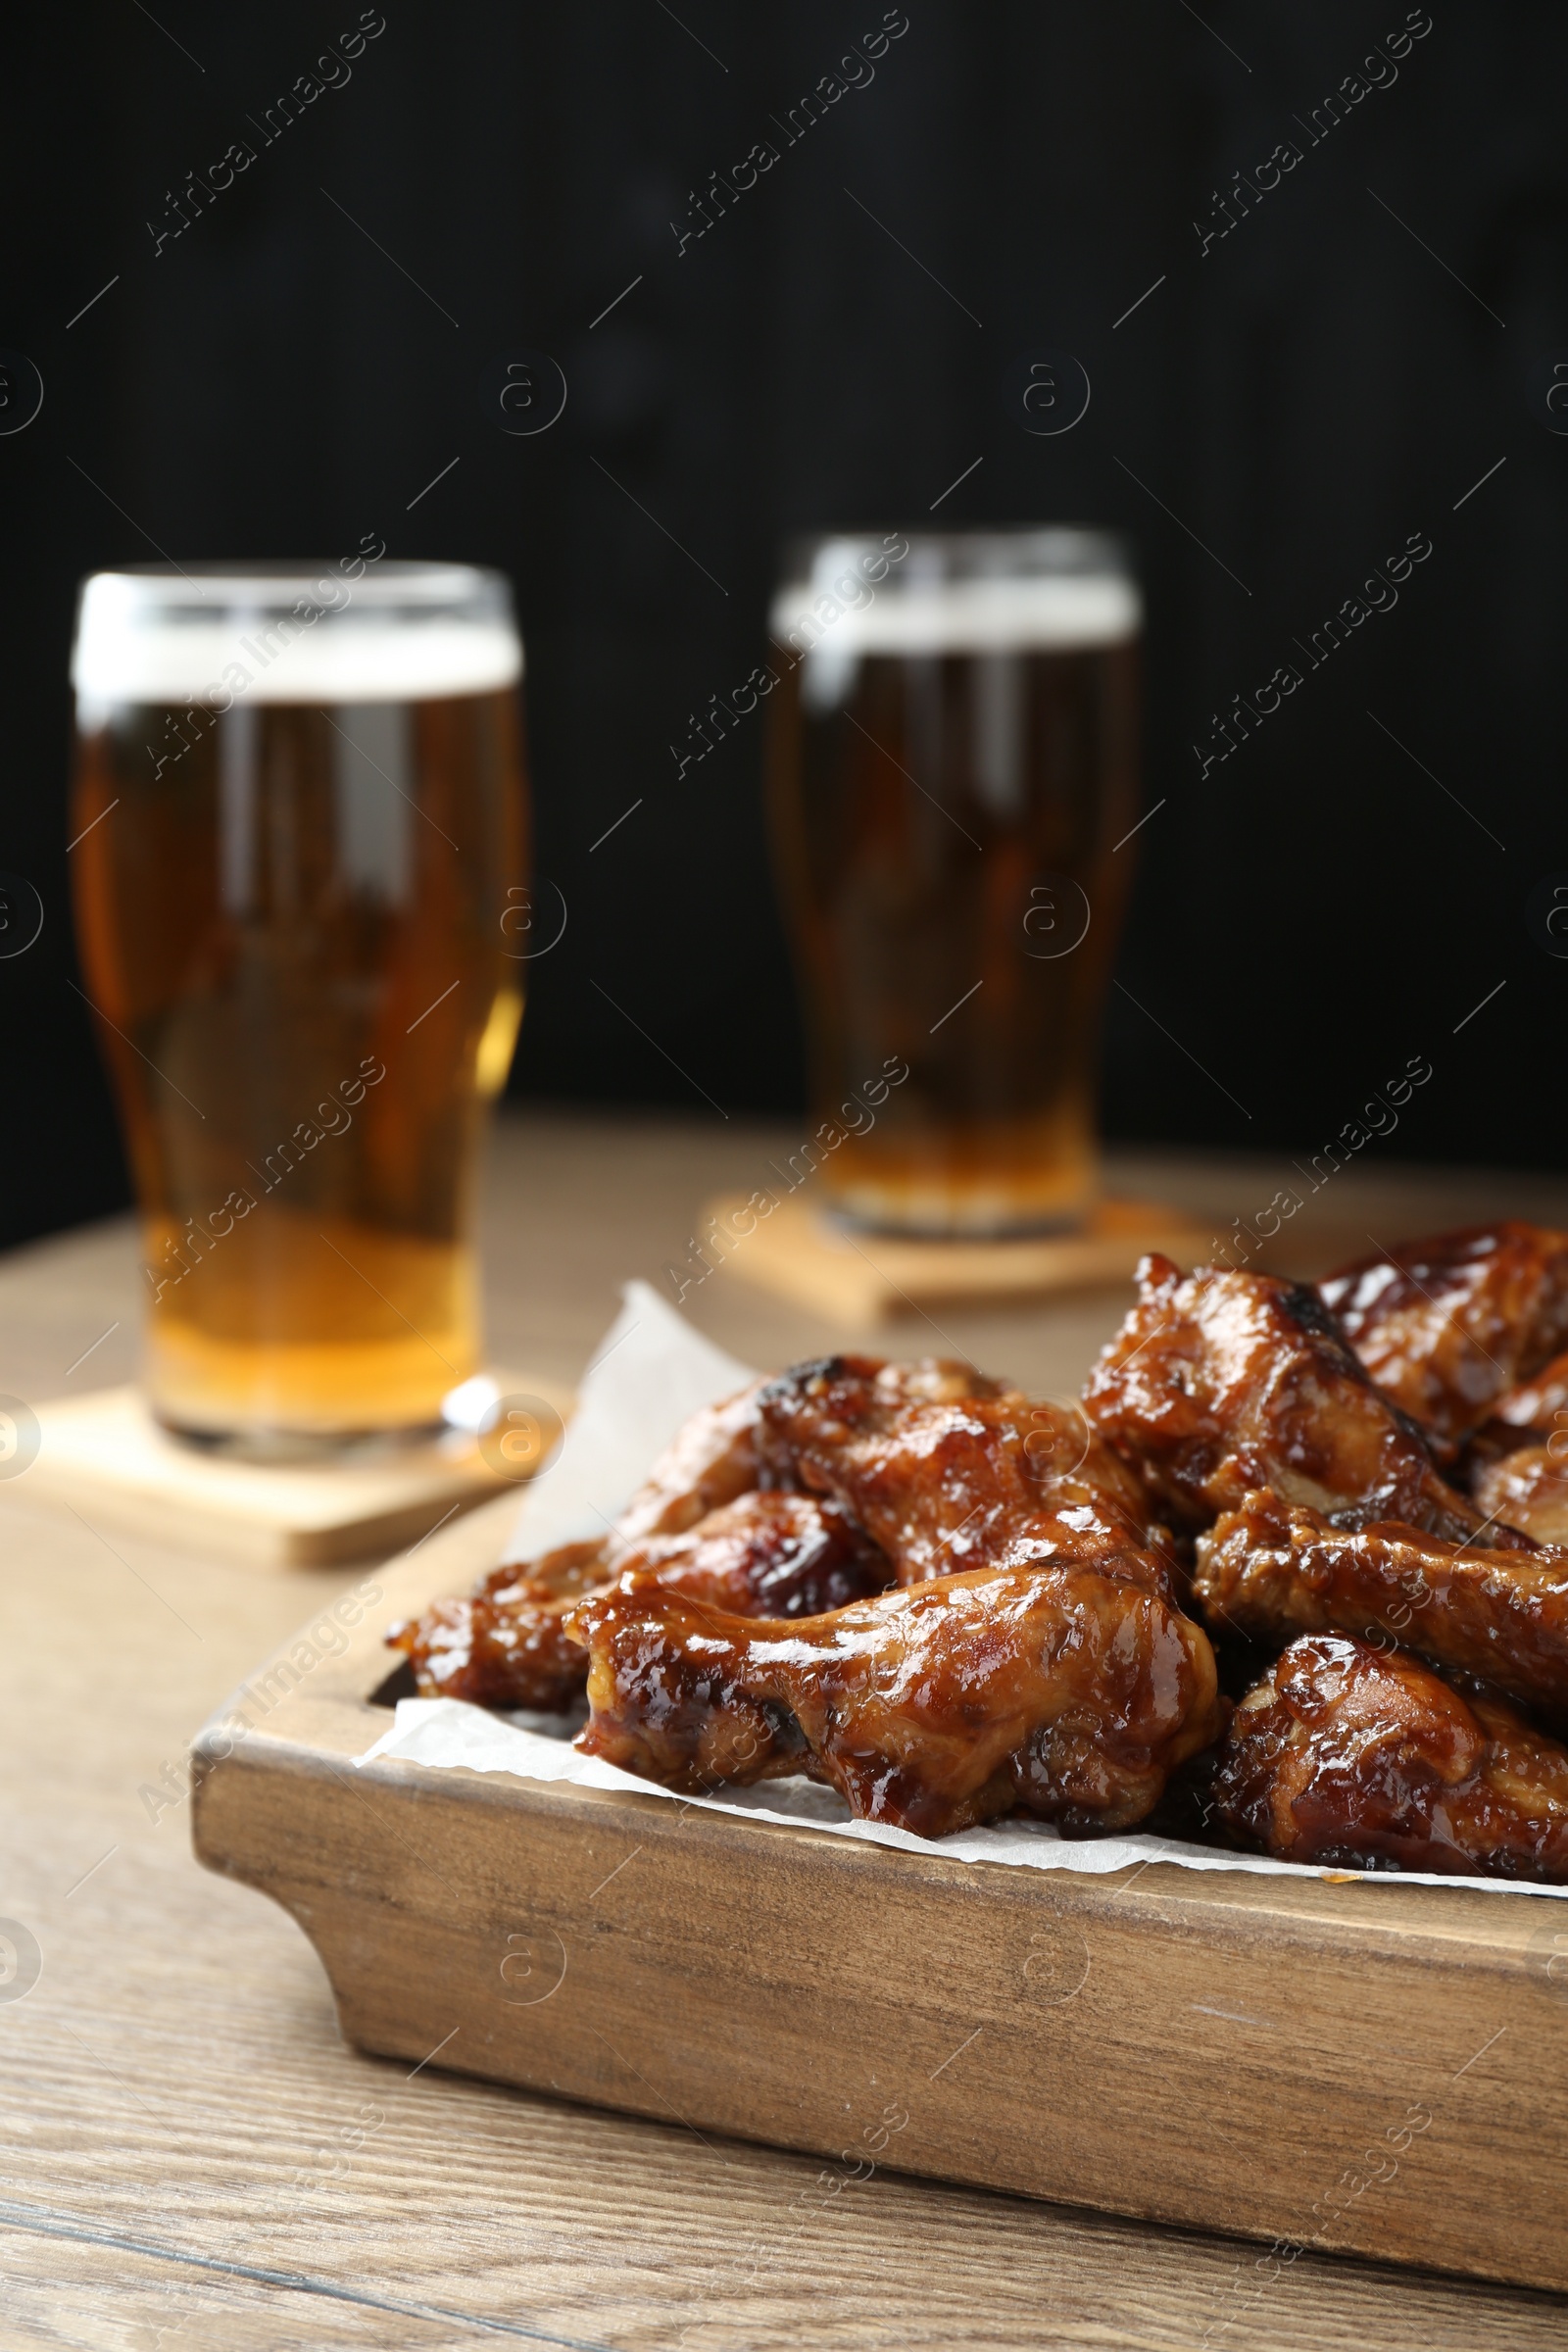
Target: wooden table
194	2158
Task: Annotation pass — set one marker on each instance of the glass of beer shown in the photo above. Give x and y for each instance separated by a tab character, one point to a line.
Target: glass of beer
299	842
953	773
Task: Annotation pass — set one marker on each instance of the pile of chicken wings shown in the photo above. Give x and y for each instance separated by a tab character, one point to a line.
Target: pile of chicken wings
1292	1577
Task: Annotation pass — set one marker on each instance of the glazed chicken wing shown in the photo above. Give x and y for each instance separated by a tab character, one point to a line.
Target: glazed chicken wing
1353	1758
1536	1406
1272	1572
1073	1691
1225	1382
710	1461
1445	1326
1526	1488
771	1554
947	1477
986	1483
503	1645
1516	1463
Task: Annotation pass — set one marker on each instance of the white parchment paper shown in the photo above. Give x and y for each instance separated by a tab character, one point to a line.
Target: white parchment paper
649	1373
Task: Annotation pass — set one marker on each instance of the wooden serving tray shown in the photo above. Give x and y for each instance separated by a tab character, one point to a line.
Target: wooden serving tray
1369	2069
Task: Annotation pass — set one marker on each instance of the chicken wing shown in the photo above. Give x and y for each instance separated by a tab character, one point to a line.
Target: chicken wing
772	1555
948	1478
1272	1572
1526	1488
1071	1690
1539	1403
1516	1464
1355	1759
505	1645
1225	1382
710	1461
502	1644
1445	1326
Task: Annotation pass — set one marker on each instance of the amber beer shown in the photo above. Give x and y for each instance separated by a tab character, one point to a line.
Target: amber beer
297	815
953	761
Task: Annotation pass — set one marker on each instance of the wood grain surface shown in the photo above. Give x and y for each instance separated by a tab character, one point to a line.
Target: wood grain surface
194	2158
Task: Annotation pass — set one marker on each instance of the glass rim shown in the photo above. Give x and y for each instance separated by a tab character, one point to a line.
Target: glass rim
282	631
206	586
995	550
1015	588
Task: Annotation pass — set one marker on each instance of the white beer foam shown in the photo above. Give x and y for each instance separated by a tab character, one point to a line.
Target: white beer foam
966	616
376	655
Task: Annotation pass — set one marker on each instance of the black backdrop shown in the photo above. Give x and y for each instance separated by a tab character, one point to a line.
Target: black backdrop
1283	412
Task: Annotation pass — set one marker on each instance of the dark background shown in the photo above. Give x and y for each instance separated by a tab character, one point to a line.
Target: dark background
281	379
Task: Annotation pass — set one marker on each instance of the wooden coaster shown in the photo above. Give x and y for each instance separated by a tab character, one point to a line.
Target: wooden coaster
103	1457
863	1278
